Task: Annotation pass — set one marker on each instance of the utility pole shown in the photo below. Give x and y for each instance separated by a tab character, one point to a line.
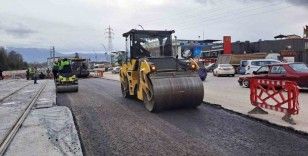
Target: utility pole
109	33
52	53
203	35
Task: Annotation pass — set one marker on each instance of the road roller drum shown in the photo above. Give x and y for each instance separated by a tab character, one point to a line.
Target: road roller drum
174	92
66	88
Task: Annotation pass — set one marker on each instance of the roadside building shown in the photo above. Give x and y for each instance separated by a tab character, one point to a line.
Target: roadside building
292	43
198	48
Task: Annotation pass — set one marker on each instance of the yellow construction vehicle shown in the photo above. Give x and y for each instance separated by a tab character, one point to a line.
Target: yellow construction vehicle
152	73
66	80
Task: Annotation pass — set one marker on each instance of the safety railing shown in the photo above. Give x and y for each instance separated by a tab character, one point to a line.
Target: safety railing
276	95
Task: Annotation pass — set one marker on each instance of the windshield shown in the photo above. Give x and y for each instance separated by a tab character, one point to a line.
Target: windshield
263	69
153	45
299	67
244	63
263	63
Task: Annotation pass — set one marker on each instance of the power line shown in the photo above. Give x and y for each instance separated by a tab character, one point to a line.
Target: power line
238	11
190	15
222	15
184	13
216	20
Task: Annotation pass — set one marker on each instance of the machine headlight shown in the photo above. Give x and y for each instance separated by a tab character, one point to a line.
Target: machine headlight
153	68
193	67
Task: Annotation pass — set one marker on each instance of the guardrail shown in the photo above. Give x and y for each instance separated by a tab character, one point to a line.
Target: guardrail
276	95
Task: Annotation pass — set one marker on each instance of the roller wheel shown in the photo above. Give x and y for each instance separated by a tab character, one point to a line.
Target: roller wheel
149	103
124	89
245	83
196	106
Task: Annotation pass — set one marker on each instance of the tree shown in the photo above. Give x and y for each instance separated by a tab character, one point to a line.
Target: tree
15	60
11	60
3	59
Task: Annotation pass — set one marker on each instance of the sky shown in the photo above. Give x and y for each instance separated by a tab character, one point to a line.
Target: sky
80	25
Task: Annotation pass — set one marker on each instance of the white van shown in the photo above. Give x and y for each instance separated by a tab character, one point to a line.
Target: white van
254	65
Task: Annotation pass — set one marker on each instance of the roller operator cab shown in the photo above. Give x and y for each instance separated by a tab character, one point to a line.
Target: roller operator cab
151	73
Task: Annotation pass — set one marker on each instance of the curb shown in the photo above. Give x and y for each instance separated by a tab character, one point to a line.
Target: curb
263	121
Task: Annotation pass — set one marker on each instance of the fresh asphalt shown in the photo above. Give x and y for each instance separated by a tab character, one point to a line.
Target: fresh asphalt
109	124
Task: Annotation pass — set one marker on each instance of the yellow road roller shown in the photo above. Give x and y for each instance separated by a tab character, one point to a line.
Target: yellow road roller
152	72
66	80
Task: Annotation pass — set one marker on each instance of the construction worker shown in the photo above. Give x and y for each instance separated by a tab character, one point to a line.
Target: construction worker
55	70
28	74
31	73
202	71
35	75
63	63
48	73
64	66
1	75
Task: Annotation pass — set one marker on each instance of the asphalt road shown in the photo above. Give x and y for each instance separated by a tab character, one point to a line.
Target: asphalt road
111	125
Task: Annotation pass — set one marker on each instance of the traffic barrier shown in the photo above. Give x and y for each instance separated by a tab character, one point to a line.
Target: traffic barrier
98	74
277	95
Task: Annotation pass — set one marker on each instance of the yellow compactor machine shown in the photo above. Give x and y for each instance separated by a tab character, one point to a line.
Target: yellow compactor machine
152	73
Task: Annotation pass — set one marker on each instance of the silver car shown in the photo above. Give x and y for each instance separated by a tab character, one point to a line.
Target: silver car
224	69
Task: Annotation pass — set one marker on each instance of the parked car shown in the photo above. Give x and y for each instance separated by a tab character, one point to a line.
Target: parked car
224	69
115	70
210	67
296	72
254	65
242	67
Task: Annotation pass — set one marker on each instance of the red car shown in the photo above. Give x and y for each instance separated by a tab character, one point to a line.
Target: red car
296	72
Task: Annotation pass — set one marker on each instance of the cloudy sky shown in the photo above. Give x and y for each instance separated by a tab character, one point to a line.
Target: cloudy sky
80	25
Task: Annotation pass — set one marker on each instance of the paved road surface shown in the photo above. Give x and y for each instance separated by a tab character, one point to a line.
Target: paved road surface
111	125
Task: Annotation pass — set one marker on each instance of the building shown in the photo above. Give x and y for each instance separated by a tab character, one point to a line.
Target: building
290	43
197	48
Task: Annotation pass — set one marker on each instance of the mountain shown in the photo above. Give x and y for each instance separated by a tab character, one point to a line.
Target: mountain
40	55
